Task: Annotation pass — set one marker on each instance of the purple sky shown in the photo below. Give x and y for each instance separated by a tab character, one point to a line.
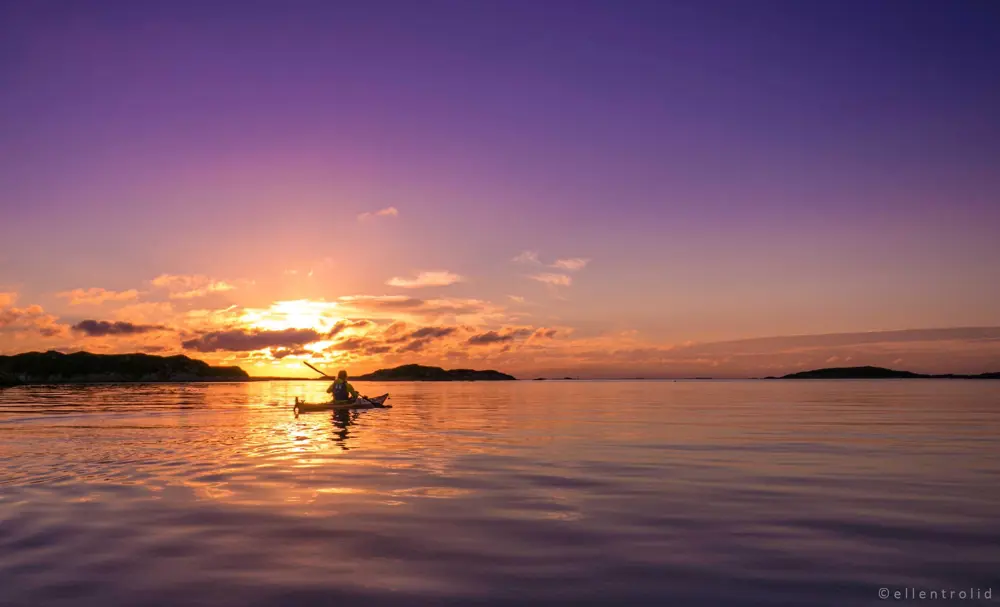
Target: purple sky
731	170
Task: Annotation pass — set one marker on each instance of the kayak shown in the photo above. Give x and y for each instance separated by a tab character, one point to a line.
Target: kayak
376	402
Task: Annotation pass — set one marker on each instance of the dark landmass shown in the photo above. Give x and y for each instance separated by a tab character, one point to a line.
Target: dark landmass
422	373
541	379
84	367
876	373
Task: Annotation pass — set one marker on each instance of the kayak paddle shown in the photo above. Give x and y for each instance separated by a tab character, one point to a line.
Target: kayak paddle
317	370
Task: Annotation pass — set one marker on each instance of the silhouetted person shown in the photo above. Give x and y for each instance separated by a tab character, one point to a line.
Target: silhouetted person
342	391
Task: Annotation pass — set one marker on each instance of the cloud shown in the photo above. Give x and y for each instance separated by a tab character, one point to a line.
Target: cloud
414	346
96	296
516	299
343	325
243	340
149	312
190	287
560	280
802	343
493	337
569	263
382	302
572	263
432	332
380	342
31	319
437	278
426	310
490	337
363	345
386	212
543	333
394	334
102	328
527	257
395	328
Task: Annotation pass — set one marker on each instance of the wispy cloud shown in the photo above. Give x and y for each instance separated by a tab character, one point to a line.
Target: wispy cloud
571	264
527	257
190	287
425	279
97	296
516	299
386	212
559	280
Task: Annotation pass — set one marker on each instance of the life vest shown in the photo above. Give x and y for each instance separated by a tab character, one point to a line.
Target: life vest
340	390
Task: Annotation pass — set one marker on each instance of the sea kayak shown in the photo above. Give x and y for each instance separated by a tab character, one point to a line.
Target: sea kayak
376	402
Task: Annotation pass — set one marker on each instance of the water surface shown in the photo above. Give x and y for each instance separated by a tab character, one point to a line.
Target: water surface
576	493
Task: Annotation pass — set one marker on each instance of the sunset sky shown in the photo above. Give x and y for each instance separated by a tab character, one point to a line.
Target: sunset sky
601	189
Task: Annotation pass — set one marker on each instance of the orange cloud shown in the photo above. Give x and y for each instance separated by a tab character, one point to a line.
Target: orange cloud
190	287
560	280
97	296
31	319
543	333
149	312
426	279
572	264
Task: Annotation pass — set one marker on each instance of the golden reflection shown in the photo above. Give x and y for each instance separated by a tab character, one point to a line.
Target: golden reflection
431	492
341	490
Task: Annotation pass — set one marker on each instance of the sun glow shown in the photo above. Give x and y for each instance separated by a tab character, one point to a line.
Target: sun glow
296	314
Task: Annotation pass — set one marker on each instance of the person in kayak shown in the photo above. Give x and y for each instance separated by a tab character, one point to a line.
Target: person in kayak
342	391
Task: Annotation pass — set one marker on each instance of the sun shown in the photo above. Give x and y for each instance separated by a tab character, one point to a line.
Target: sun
320	316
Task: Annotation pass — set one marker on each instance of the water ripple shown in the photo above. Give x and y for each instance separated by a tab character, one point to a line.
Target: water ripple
575	493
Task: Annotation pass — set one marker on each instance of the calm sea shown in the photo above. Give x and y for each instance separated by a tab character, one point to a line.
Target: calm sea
575	493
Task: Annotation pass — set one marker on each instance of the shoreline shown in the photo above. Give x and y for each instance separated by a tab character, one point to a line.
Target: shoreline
111	382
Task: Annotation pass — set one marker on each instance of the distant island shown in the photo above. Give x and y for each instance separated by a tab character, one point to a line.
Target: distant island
84	367
875	373
422	373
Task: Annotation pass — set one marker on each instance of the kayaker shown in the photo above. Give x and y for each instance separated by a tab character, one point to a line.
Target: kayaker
342	391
